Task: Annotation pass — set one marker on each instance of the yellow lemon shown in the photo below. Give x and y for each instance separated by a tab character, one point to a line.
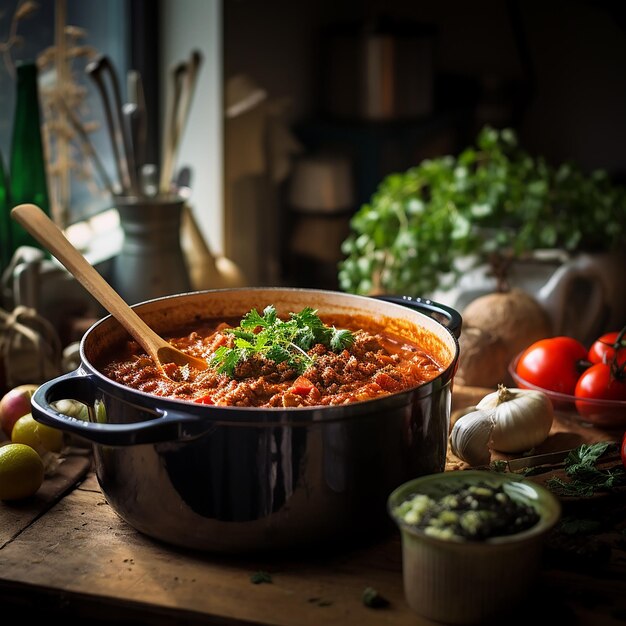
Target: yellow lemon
38	436
21	471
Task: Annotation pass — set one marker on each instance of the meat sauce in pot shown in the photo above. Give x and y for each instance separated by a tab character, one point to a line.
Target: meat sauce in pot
374	364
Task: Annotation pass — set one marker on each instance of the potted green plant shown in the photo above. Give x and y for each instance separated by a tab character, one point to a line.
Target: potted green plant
492	205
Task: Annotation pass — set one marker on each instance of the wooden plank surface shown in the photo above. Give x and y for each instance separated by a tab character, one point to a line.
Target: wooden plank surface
16	516
81	545
97	564
73	556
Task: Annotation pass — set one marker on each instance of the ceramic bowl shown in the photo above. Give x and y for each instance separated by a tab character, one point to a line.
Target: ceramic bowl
471	582
606	414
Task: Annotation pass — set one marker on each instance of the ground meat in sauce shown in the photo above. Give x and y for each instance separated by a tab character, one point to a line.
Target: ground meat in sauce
374	365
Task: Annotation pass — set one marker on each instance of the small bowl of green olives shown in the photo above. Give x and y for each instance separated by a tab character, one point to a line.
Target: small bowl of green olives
472	542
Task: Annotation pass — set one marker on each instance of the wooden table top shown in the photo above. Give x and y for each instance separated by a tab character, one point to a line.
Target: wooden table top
67	553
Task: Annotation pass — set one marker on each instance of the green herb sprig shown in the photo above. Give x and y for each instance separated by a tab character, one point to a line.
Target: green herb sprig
260	577
281	341
585	477
373	599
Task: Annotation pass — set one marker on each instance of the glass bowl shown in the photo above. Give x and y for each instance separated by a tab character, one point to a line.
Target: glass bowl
607	414
471	582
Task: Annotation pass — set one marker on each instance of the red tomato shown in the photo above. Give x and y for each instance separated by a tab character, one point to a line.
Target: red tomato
603	348
305	388
384	381
302	386
204	400
623	450
598	383
554	364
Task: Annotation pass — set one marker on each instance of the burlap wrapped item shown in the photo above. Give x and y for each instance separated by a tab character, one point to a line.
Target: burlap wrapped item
30	348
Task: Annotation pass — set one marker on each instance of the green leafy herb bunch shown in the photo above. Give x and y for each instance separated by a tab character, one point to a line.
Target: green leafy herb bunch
491	203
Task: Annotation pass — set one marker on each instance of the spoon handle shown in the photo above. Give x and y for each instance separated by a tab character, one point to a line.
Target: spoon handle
42	228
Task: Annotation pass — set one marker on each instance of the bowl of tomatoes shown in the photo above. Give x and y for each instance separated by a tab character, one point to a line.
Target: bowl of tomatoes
584	383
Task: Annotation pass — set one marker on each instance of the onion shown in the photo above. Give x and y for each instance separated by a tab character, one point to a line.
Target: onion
496	328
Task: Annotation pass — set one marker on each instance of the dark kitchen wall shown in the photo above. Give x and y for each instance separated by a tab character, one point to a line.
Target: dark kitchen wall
555	70
567	58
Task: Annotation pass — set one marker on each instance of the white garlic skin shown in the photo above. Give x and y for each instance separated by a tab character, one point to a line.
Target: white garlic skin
470	437
523	418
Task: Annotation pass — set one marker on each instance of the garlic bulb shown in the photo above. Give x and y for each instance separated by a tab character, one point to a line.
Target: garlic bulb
470	437
522	417
507	420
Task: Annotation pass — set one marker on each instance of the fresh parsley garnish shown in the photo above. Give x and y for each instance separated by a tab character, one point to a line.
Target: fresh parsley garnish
281	341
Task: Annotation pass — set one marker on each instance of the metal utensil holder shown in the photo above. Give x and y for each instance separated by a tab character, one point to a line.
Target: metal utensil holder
151	262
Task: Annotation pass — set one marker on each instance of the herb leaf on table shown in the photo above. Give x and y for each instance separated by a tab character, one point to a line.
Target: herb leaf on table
373	599
585	477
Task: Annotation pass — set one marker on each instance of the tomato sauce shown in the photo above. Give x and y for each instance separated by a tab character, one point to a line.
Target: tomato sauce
376	364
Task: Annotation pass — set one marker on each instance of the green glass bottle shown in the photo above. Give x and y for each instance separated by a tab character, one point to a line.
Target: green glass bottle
28	179
6	244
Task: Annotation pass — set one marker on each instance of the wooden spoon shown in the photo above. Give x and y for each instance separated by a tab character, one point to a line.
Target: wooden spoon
44	230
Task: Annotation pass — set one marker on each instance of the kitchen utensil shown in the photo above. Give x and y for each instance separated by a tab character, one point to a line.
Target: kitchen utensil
185	76
130	127
549	458
40	226
206	269
237	479
186	97
173	97
149	180
471	582
183	182
136	96
112	103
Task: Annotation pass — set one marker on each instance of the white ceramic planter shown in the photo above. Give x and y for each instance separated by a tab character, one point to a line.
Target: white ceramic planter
581	293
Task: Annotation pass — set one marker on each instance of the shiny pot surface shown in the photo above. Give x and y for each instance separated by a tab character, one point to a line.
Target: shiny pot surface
231	479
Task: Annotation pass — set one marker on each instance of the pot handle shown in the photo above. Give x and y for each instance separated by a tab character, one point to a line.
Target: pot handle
83	388
449	317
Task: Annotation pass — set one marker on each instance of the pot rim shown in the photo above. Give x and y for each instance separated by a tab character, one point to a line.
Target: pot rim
177	419
399	302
